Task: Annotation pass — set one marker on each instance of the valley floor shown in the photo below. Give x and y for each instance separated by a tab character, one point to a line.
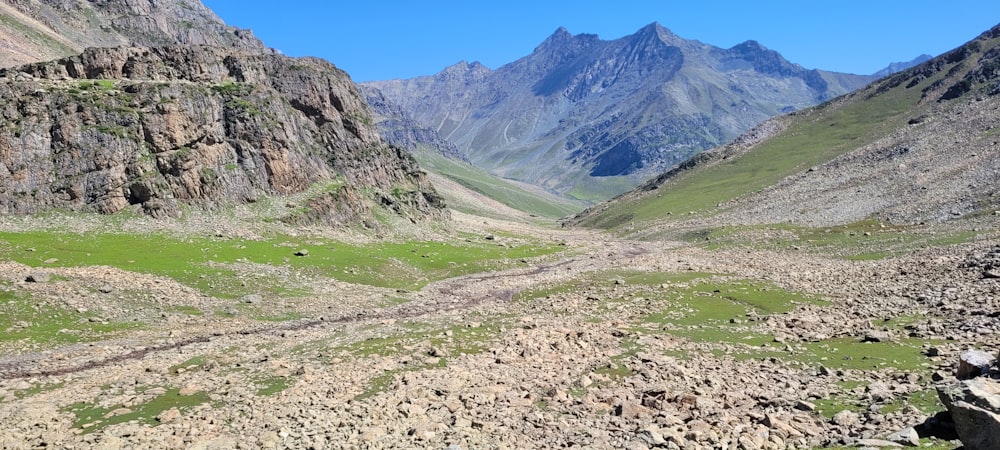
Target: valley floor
597	342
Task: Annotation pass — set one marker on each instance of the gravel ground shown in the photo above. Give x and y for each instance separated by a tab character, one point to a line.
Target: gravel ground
476	362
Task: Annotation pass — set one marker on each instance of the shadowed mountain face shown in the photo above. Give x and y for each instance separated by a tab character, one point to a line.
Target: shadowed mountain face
590	117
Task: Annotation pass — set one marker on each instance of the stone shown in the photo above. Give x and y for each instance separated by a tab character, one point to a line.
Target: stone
973	363
879	443
846	418
38	276
778	425
252	299
803	405
907	436
631	410
975	409
302	252
169	415
877	336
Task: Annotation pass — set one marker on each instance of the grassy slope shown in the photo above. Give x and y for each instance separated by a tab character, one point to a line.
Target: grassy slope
478	180
814	136
204	263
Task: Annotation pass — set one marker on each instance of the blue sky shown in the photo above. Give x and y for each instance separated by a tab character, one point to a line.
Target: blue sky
385	39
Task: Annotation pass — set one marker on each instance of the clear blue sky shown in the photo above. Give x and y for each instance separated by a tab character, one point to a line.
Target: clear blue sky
385	39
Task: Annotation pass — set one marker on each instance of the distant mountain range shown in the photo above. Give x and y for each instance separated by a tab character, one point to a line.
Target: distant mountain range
922	145
590	118
901	66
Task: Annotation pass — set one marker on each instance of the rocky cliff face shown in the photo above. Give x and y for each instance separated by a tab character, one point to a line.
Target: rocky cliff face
42	30
153	128
400	130
580	113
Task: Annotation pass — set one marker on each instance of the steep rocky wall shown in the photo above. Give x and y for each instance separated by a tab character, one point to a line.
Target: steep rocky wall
155	127
42	30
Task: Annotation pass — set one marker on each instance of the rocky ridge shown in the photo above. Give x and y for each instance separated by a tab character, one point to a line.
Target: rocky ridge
160	127
41	30
932	155
397	128
580	111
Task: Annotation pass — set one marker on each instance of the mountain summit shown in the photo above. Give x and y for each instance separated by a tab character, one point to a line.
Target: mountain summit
590	118
919	146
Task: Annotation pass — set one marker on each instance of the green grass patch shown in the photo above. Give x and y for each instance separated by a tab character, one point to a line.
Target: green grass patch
36	389
414	336
191	364
24	320
272	385
608	278
188	310
91	417
384	381
926	401
512	195
206	263
715	304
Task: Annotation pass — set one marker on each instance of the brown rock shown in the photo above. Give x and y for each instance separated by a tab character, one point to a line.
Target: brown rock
169	415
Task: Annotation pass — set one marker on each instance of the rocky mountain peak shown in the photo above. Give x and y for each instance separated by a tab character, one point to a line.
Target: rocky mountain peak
765	60
565	43
463	70
660	32
591	109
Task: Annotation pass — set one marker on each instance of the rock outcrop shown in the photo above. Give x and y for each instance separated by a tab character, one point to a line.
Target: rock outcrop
156	127
975	408
42	30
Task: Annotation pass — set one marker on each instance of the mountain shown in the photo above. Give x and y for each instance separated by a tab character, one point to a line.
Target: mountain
901	66
922	145
399	129
158	129
42	30
589	118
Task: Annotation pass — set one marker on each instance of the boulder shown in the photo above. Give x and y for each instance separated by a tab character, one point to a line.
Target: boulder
975	409
38	276
846	418
908	437
973	363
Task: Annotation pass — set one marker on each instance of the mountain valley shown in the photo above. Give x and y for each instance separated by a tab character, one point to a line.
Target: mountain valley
208	245
588	118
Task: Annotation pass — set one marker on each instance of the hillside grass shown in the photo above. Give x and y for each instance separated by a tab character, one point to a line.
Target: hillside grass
815	136
862	240
478	180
